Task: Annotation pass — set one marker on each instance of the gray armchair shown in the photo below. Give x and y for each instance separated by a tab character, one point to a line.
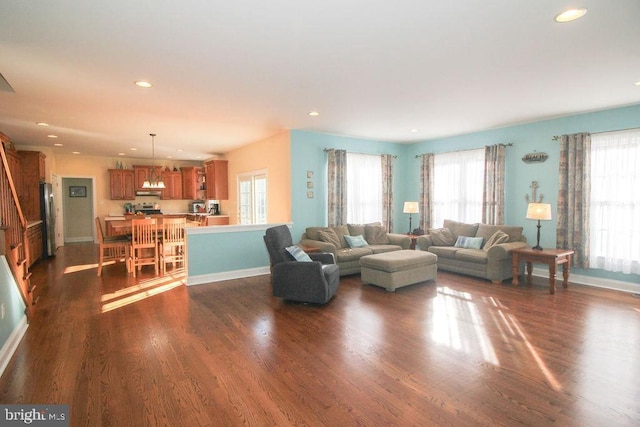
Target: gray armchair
315	282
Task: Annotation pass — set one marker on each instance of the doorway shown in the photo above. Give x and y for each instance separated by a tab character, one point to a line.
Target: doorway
77	209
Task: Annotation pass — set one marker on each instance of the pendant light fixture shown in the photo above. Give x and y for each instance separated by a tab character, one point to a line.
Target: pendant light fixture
153	181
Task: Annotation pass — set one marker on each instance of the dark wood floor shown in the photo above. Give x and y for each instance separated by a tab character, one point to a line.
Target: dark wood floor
458	351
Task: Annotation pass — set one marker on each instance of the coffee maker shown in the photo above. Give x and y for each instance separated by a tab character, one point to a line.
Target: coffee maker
214	207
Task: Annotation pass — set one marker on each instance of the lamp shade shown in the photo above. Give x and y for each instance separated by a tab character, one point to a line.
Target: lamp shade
410	207
539	211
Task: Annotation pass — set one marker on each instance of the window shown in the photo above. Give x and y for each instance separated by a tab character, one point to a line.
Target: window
252	197
458	180
614	209
364	188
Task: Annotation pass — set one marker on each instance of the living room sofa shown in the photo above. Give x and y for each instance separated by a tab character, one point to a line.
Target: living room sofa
332	239
478	250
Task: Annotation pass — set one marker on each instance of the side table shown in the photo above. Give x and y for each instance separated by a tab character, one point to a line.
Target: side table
552	257
413	238
309	249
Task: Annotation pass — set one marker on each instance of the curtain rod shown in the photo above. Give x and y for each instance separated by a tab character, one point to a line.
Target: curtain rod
509	144
557	138
355	152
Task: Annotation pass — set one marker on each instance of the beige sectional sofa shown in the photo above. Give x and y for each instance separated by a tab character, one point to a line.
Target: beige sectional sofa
485	253
332	239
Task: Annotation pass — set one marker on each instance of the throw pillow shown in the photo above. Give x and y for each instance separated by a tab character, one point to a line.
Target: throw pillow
469	242
375	234
298	254
330	236
442	237
497	238
356	241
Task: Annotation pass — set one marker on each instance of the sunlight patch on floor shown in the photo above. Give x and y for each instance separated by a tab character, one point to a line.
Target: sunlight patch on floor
141	291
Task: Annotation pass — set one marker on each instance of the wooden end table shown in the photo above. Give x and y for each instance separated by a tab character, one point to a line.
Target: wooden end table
309	249
414	238
552	257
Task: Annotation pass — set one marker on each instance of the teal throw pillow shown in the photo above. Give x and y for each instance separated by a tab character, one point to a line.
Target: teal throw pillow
356	241
298	254
469	242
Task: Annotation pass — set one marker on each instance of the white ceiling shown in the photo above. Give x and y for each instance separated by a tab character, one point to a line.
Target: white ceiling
227	73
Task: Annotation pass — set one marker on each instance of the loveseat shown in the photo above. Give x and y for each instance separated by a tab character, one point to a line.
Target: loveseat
478	250
366	239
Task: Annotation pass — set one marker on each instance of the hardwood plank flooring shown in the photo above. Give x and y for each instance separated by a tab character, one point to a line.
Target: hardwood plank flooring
454	352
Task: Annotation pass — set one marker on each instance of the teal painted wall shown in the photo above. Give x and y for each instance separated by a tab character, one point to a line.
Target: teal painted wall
219	252
526	139
307	154
10	297
244	250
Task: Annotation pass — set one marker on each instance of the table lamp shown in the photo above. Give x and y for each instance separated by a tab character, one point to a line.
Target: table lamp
410	208
539	211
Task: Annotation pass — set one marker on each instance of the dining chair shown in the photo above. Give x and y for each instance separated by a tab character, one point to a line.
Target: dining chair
144	244
173	246
112	248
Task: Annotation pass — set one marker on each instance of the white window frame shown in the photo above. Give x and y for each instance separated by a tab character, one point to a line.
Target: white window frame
364	188
257	211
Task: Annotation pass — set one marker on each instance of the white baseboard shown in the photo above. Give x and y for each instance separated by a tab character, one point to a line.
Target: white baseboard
12	343
227	275
597	282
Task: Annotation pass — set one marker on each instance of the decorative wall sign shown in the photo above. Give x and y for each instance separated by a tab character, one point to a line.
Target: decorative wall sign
535	157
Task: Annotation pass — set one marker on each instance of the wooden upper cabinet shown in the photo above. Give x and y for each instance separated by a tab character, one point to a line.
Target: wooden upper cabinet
193	183
173	183
141	173
122	184
217	179
32	164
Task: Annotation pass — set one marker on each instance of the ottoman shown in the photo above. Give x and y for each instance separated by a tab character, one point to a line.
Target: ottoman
393	270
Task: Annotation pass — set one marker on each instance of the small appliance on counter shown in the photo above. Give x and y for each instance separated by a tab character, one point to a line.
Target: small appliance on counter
214	207
147	208
197	206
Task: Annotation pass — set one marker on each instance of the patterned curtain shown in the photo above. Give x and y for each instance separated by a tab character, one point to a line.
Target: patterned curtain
387	191
493	194
337	187
573	196
426	190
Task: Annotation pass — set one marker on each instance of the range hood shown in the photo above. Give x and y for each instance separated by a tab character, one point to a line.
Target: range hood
155	193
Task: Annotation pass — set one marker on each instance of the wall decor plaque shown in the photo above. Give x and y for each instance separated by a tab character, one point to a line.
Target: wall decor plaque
535	157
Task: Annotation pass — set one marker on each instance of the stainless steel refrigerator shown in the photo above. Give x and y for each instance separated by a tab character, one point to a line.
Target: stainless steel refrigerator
48	216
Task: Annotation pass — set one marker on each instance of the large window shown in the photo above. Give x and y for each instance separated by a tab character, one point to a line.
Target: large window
252	197
364	188
614	209
458	179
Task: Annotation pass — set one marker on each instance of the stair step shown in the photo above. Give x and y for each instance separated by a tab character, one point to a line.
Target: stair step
21	261
32	288
27	276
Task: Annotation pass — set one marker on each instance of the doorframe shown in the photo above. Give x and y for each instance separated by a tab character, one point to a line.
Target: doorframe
94	206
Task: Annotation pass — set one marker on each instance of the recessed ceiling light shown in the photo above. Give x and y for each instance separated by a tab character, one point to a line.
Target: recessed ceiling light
570	15
121	154
42	124
314	113
57	144
133	149
179	150
52	136
169	157
414	130
75	152
144	84
637	83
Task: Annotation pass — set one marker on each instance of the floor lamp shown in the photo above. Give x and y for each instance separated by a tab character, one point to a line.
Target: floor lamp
539	211
410	208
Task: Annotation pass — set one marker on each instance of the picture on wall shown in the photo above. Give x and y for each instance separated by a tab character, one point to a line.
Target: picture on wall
77	191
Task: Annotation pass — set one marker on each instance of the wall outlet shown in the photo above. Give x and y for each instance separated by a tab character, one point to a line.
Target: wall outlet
2	311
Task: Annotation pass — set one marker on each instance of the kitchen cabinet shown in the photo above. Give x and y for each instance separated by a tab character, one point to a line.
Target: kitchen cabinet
32	164
217	181
13	160
141	172
122	184
193	183
173	183
218	220
34	236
